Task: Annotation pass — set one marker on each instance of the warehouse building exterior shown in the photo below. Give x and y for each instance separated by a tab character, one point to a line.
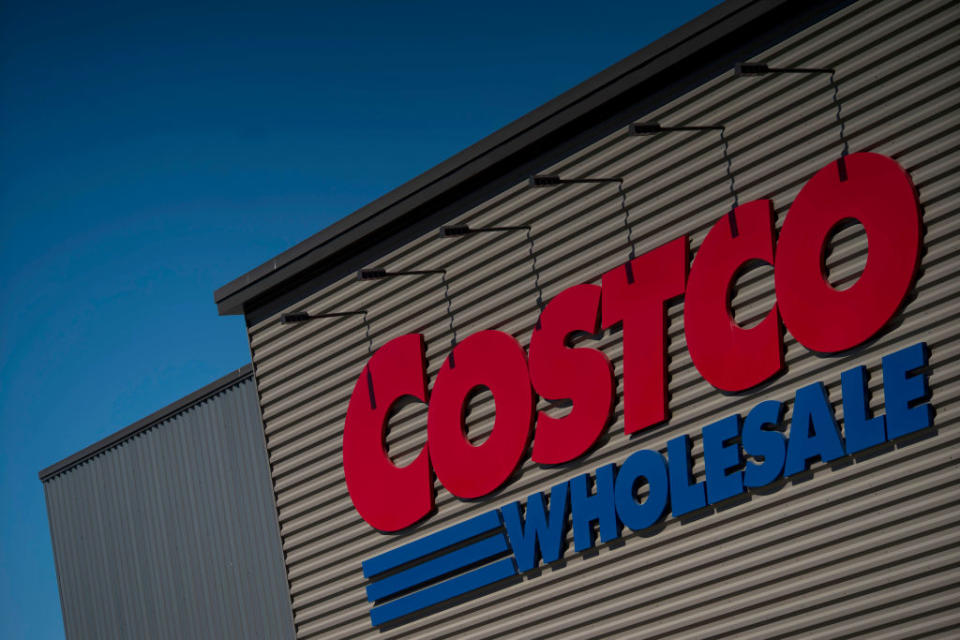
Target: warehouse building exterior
673	355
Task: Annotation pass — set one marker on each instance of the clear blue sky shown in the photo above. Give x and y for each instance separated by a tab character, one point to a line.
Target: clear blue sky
150	154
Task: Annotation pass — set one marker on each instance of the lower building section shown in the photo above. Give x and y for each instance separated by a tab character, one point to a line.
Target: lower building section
168	530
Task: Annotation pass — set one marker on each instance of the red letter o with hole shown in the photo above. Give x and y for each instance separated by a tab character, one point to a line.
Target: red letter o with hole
879	195
495	360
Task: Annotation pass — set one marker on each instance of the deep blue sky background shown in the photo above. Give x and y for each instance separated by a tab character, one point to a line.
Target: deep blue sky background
150	154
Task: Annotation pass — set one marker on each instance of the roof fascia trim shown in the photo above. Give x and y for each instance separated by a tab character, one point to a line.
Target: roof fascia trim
678	46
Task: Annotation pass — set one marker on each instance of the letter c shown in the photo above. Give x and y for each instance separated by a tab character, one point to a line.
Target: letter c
388	497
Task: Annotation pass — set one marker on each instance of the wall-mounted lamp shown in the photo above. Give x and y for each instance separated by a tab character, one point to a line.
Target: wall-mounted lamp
549	180
654	128
461	230
456	230
742	69
298	317
553	181
760	69
303	316
381	274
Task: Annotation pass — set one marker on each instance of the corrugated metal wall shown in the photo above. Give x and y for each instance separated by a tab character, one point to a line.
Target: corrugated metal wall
172	533
869	547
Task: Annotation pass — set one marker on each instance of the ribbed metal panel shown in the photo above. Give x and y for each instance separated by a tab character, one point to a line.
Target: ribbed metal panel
172	533
864	546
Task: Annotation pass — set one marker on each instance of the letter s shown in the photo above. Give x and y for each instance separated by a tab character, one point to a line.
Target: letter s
557	372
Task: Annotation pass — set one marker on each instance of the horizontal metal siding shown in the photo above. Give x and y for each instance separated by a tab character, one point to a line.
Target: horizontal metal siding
797	560
172	533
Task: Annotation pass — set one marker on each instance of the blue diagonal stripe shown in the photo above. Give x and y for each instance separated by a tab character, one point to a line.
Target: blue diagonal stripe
447	563
434	542
441	591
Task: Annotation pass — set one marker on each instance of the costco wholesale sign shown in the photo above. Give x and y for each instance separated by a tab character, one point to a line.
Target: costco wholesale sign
740	452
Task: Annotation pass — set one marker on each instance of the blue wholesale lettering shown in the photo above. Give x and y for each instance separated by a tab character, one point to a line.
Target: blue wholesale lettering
813	432
685	494
538	532
648	466
906	391
768	447
721	457
598	508
737	457
859	429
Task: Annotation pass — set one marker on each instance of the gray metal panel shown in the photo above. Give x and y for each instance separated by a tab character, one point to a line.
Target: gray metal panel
866	546
171	532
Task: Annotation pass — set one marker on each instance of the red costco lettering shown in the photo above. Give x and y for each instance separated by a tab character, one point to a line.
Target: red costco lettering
876	191
388	497
879	194
495	360
559	372
728	356
637	295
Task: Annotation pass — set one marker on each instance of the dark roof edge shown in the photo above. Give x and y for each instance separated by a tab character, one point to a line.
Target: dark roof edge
686	42
154	418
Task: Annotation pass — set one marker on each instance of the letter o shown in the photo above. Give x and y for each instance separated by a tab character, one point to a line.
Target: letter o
877	193
650	466
495	360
